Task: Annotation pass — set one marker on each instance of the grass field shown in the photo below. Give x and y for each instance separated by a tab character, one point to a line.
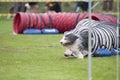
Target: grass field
40	57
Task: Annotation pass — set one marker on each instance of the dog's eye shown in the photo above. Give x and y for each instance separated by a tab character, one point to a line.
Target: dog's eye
67	35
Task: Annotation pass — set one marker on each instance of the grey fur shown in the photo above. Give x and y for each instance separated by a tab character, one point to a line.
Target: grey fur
70	38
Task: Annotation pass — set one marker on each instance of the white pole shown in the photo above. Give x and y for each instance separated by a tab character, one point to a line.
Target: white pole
117	56
95	5
89	46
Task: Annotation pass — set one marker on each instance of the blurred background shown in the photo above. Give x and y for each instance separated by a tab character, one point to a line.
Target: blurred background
65	6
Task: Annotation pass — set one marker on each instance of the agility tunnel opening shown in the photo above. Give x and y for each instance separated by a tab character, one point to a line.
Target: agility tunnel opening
17	22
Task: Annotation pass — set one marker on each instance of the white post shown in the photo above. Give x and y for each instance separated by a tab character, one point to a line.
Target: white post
117	56
89	46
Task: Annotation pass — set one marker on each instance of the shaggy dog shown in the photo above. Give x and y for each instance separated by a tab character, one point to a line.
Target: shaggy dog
103	35
75	45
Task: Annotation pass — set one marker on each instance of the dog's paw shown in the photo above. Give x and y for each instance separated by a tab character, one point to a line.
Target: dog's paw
80	56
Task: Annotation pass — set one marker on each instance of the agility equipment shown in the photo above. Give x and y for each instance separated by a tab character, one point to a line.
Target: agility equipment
50	31
115	51
102	52
103	36
32	31
60	21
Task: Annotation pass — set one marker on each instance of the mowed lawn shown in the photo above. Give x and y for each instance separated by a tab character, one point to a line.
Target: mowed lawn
40	57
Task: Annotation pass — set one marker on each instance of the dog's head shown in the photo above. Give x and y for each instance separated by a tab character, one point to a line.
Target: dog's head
68	39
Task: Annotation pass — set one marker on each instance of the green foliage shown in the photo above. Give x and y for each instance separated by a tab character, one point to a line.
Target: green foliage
40	57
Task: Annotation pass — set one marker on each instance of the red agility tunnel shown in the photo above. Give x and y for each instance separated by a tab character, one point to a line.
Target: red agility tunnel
61	21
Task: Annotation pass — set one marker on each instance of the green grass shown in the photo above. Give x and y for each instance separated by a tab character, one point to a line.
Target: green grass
40	57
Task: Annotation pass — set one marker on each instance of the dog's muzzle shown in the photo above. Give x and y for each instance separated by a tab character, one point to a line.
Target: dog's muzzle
62	43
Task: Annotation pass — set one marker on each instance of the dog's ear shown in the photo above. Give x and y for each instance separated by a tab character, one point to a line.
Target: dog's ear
73	36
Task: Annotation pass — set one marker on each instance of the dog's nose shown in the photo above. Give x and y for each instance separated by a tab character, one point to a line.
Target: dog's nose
66	55
61	42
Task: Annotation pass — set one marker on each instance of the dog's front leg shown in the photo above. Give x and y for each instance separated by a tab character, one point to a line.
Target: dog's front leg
80	55
68	52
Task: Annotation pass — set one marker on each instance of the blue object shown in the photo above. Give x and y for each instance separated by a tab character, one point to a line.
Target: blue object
50	31
103	52
32	31
115	51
